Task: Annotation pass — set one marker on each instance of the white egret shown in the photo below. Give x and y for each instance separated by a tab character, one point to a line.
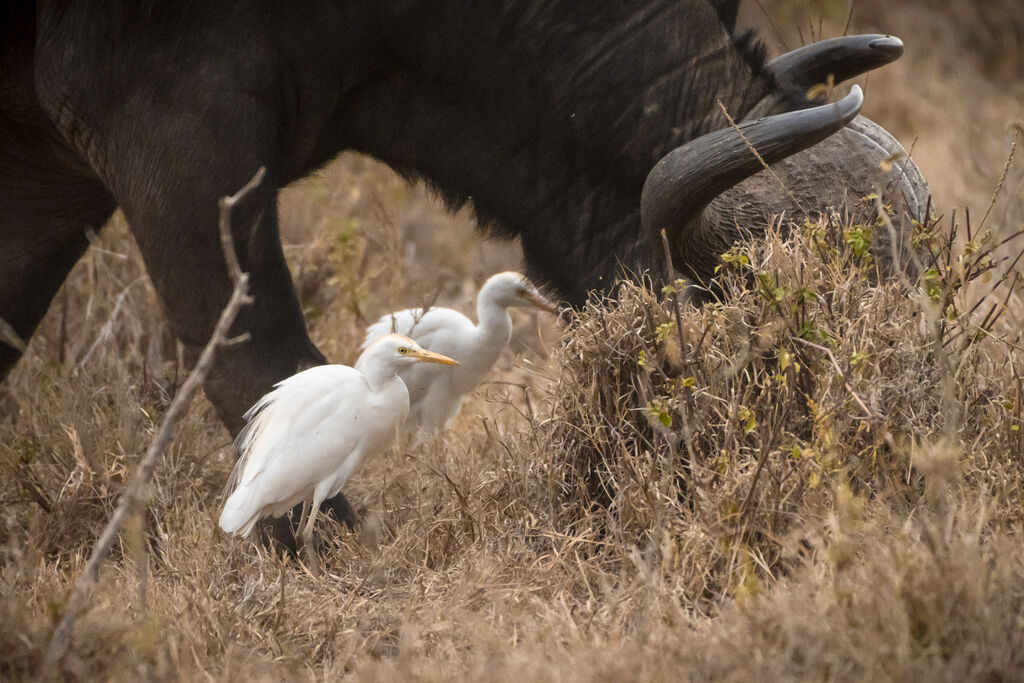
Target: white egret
436	397
306	436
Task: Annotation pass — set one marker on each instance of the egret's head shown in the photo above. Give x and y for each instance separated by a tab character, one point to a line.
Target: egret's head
398	349
514	290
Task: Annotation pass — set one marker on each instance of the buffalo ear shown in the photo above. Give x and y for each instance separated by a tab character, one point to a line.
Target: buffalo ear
841	58
684	182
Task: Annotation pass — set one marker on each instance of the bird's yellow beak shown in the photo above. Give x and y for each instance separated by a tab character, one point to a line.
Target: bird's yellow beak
431	357
539	302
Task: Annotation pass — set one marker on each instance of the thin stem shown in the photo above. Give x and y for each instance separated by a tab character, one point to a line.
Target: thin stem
135	494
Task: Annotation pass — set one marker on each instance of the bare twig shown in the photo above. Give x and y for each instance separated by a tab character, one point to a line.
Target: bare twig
849	19
107	330
62	345
473	523
10	337
766	450
775	28
675	293
835	366
28	481
226	204
670	271
135	494
771	171
1017	128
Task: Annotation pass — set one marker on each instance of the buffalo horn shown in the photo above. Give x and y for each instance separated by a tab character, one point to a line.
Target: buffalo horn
843	58
686	179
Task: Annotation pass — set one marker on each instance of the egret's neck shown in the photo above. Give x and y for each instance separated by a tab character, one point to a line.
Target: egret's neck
380	376
494	324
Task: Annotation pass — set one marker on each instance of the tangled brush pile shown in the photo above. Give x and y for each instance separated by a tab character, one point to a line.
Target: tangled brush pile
712	435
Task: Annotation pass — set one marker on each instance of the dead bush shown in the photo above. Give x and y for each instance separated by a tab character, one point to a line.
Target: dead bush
711	436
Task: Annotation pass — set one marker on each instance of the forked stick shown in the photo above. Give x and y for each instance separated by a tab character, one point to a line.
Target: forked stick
135	494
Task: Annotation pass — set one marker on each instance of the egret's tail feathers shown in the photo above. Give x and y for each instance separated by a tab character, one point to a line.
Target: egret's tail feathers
237	524
237	517
234	479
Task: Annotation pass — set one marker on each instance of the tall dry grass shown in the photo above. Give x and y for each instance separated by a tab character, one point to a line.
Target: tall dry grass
816	477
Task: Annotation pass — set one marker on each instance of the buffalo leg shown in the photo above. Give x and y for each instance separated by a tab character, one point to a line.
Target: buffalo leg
42	228
48	197
168	182
193	285
173	142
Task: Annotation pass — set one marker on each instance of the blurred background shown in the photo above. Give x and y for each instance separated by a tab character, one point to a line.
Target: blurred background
953	96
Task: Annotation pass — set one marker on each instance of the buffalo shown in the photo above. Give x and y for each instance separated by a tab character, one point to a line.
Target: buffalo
584	128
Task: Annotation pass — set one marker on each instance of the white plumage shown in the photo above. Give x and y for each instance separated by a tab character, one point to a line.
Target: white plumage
436	397
305	437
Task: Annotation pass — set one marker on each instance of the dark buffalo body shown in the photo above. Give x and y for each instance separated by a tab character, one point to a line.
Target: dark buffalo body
549	115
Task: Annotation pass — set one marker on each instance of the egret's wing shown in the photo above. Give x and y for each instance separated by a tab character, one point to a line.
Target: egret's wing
441	330
444	331
283	415
311	429
421	326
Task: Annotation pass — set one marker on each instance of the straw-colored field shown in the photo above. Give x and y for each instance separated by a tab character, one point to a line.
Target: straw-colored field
818	478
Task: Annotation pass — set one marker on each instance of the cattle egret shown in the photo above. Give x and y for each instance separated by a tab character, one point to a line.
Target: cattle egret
305	437
435	397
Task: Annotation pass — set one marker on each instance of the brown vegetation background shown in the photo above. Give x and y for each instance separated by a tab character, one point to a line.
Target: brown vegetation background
819	478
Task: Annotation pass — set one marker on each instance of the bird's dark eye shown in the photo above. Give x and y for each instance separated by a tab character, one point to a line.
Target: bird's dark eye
403	350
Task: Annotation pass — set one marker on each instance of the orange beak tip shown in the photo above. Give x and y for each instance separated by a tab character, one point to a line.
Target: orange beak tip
540	302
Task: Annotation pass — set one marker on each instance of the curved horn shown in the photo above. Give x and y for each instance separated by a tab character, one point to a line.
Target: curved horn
843	58
686	179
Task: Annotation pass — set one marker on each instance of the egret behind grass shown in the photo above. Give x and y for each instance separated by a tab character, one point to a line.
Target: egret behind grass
436	397
305	437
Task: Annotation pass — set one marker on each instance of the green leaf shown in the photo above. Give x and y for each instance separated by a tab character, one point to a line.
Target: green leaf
747	418
660	413
735	258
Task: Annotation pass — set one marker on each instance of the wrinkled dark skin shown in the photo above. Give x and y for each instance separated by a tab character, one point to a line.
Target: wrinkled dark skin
547	114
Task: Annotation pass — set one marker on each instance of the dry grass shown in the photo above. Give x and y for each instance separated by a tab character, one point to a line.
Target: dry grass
817	477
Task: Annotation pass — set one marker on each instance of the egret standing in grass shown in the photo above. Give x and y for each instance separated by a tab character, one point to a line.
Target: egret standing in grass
305	437
436	397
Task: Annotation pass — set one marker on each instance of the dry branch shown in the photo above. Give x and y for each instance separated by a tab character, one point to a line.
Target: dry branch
135	494
9	336
1017	128
764	164
839	372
